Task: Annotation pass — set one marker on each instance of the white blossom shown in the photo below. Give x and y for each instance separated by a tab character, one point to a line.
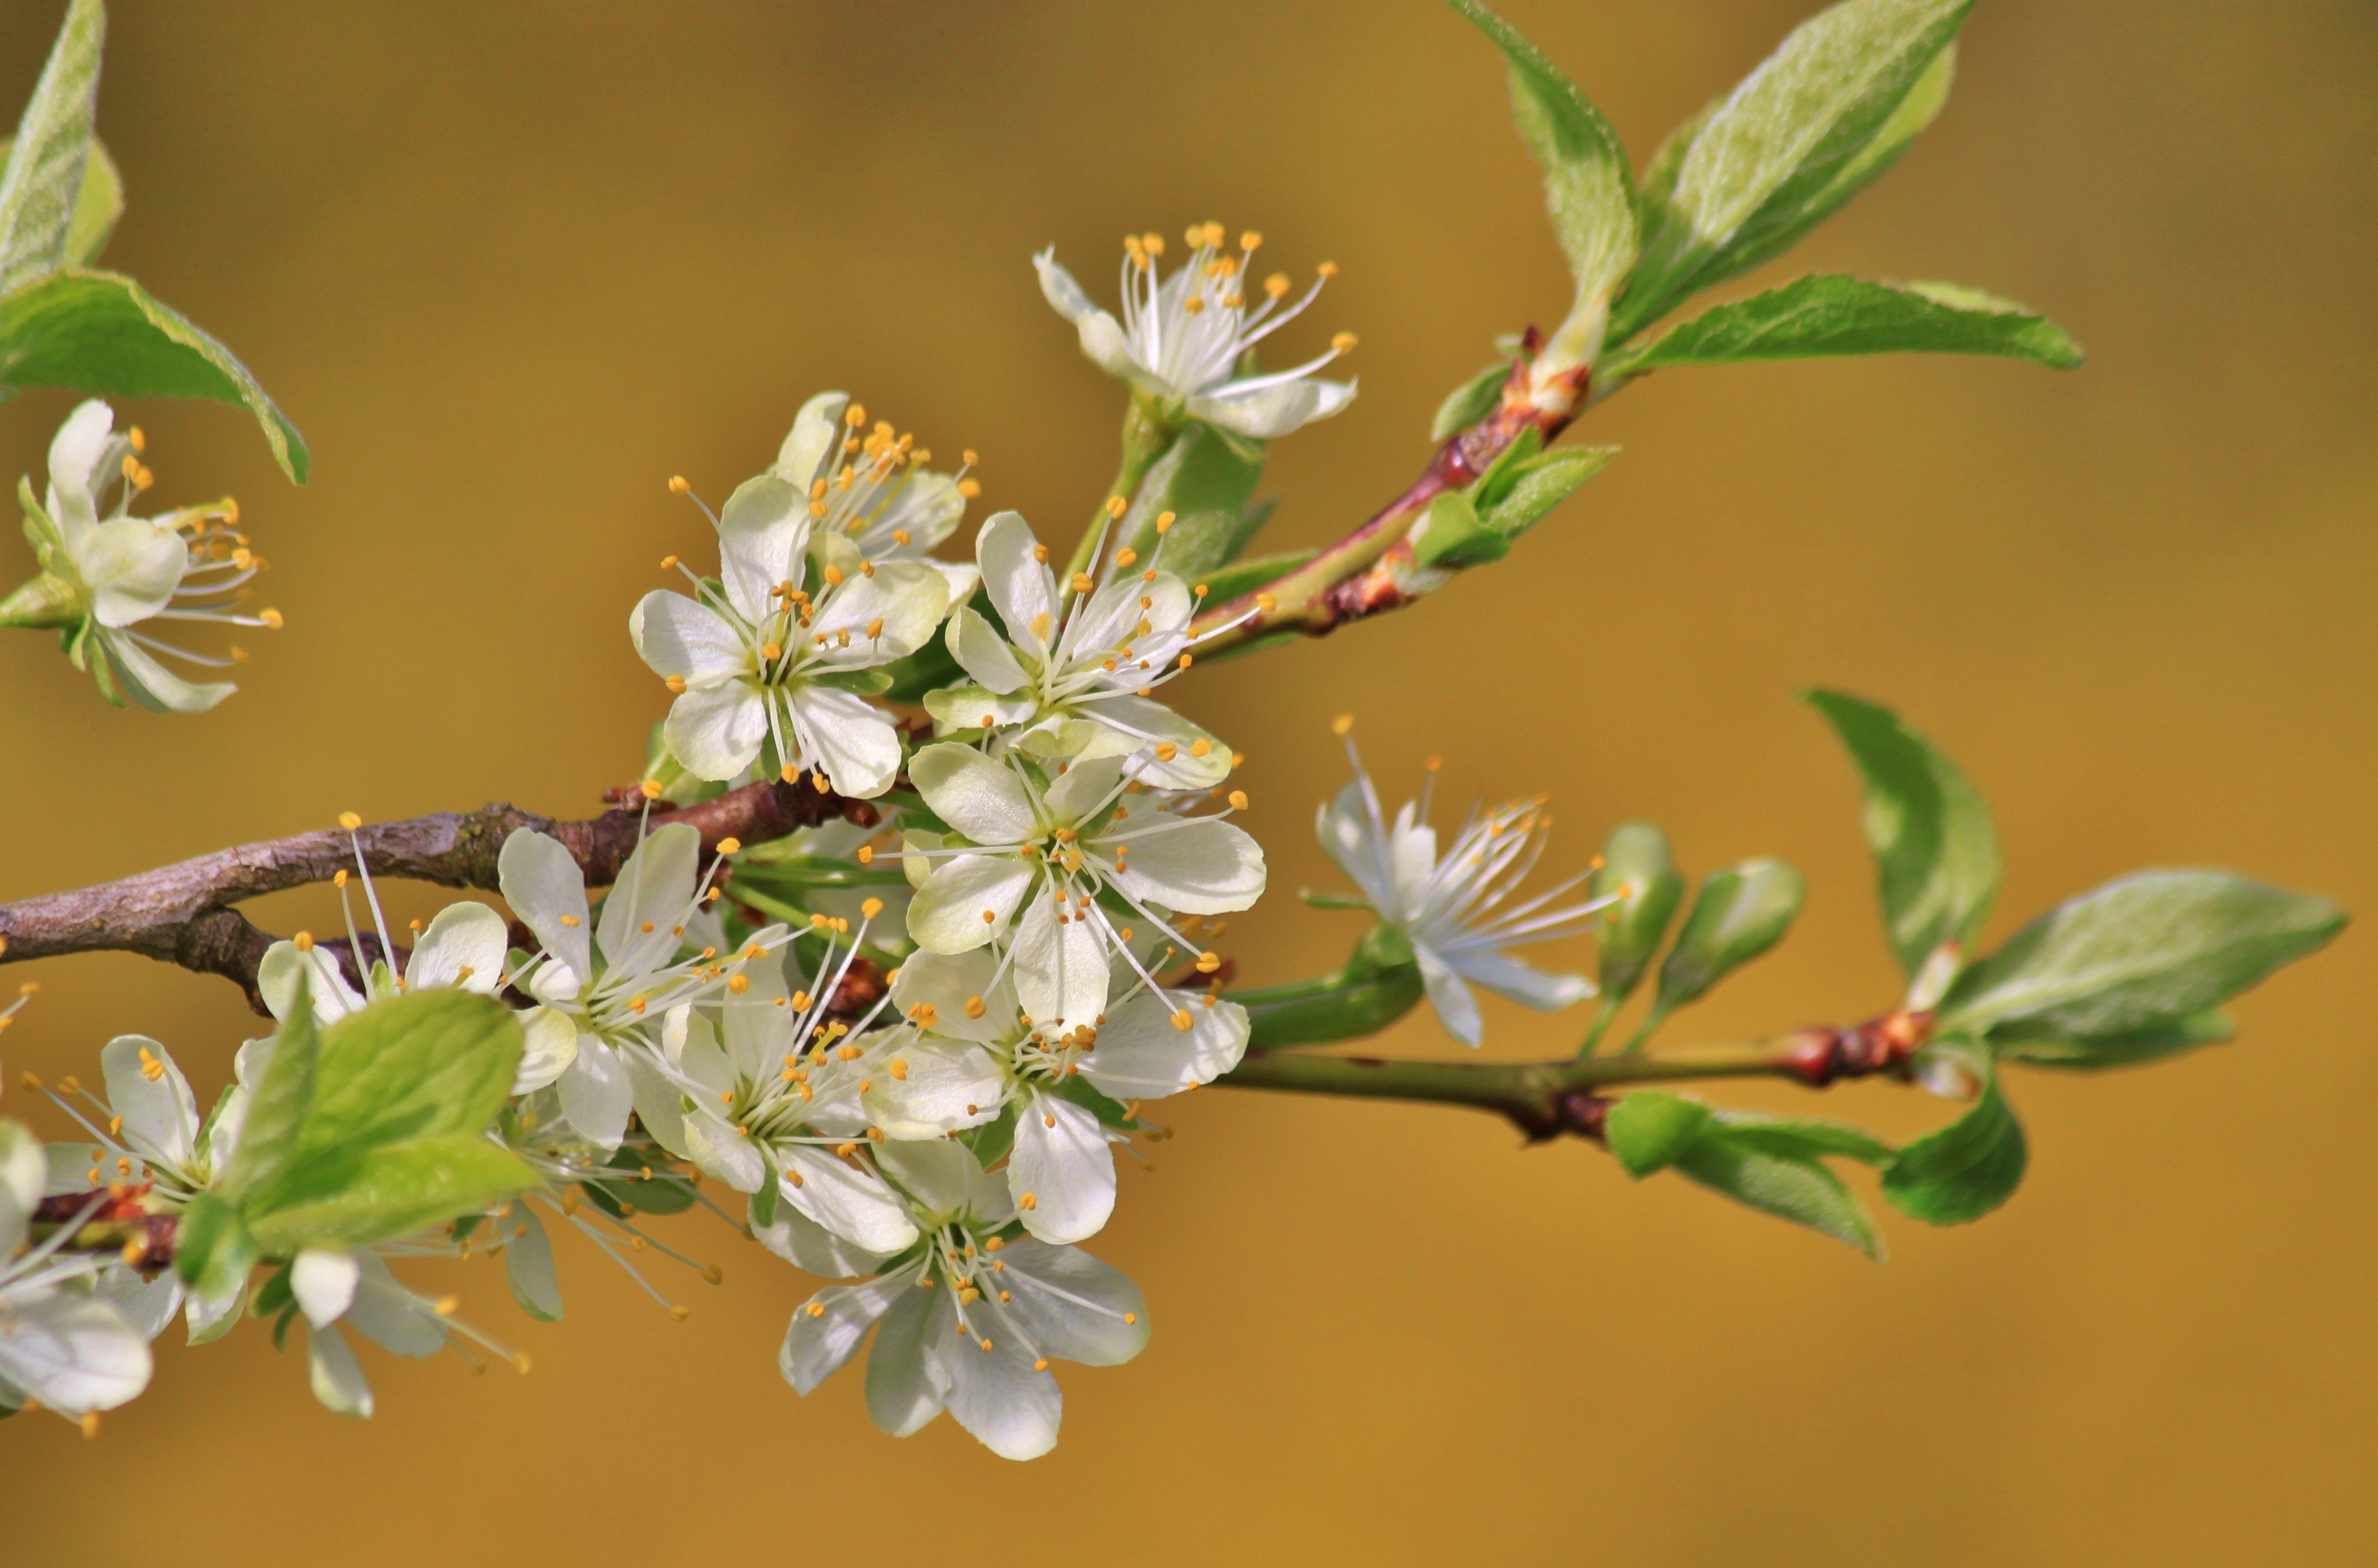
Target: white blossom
1185	338
1456	908
876	492
1037	853
967	1321
1074	674
968	1052
782	651
107	573
59	1342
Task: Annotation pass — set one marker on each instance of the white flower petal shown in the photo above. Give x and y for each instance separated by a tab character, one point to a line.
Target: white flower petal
828	1329
658	1102
73	1353
550	1044
994	1392
717	731
1145	721
943	1085
905	1386
1272	411
946	916
939	1176
851	738
1140	1055
1061	968
209	1318
145	1305
467	936
678	635
946	983
1081	789
595	1094
1063	1163
391	1316
816	432
970	710
548	891
323	1279
528	1266
983	652
132	567
854	1204
654	889
812	1249
1022	588
1517	980
764	531
904	600
1073	1305
156	688
725	1155
1457	1009
161	1116
338	1381
1208	868
980	798
76	452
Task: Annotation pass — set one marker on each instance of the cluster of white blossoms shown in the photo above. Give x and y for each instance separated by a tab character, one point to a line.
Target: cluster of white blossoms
106	573
912	1042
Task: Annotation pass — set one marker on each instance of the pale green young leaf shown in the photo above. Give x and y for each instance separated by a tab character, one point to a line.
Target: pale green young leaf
2133	1047
212	1251
269	1139
426	1064
1803	1137
1470	402
1205	480
351	1197
1966	1169
1800	1190
1935	853
97	205
1589	189
41	183
1451	535
1650	1129
1821	119
1536	486
1740	914
1829	315
2136	954
105	334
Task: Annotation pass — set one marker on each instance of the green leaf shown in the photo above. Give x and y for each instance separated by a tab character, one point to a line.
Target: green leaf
1738	915
2136	954
1471	402
1803	1137
1648	1130
764	1200
1451	536
1109	1112
102	333
41	185
276	1116
350	1197
1205	483
429	1064
1638	872
1832	108
861	683
97	205
212	1251
1589	189
1226	583
1800	1190
1829	314
2133	1047
660	1194
992	1140
1966	1169
1536	486
1935	853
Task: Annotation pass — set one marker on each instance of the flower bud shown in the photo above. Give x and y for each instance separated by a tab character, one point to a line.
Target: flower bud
1738	914
1638	872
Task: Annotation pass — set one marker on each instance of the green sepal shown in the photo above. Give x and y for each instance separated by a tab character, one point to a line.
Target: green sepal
276	1293
663	1193
992	1140
1380	983
763	1202
1738	914
1109	1111
1966	1169
862	683
281	1326
1638	872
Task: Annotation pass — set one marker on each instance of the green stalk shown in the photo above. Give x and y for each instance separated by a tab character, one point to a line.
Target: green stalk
1526	1092
1145	439
41	601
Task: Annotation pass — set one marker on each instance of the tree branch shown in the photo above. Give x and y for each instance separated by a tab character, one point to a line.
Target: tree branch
1547	1099
182	914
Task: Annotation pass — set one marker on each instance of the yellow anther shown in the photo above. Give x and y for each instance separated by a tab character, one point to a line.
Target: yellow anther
899	1069
1199	747
339	877
650	789
854	416
816	1310
674	683
1344	342
875	628
791	774
1041	553
1183	1022
1131	1317
270	618
772	651
1185	660
677	486
833	577
739	984
570	919
1116	506
1195	304
1328	269
871	908
990	917
1028	1201
303	941
817	780
866	854
1208	962
1237	800
1277	284
139	439
1341	724
679	1313
1084	582
1165	751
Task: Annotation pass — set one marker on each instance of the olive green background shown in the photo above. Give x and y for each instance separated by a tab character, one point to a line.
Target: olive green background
510	266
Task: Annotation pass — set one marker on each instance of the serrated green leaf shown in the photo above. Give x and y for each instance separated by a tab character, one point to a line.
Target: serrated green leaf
1818	121
1738	914
427	1064
103	334
351	1197
2133	1047
1589	189
1966	1169
2136	954
276	1115
1800	1190
1536	486
1803	1137
41	185
1826	314
1451	536
1470	402
1205	481
1636	870
1936	851
1650	1129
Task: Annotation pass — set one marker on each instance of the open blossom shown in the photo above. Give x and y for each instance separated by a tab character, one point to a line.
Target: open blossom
1456	908
968	1052
106	573
1073	673
967	1321
769	1102
354	1287
779	654
876	492
1038	849
59	1343
601	991
1185	339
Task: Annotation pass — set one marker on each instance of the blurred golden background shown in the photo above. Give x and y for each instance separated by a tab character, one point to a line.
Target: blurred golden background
509	267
